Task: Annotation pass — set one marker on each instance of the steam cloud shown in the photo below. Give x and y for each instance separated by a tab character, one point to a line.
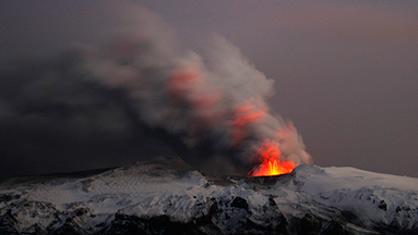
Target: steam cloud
215	99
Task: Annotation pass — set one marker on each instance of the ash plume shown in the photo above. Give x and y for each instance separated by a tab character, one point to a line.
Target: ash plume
217	97
214	101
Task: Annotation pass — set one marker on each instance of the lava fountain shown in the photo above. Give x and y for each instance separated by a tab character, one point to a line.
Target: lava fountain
271	163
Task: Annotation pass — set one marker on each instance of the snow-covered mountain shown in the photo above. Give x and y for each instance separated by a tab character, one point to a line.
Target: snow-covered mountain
167	197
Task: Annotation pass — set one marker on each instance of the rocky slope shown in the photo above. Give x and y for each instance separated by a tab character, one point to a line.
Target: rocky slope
167	197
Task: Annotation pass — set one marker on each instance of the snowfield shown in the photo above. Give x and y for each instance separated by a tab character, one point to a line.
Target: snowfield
167	197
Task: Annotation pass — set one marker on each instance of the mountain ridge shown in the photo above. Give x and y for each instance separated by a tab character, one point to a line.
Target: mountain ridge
167	196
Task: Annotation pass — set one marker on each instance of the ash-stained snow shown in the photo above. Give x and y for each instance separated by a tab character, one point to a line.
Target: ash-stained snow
321	200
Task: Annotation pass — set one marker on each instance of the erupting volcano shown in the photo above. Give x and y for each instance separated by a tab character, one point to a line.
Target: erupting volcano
134	128
215	99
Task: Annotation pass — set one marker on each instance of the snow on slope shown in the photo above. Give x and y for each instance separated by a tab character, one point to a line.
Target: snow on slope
375	198
340	199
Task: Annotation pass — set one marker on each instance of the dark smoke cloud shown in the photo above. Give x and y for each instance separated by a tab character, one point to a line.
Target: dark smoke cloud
52	119
142	95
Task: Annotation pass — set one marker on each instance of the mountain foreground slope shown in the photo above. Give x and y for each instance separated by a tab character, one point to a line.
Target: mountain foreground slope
166	196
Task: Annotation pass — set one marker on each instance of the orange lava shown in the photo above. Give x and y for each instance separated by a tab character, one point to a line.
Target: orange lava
271	164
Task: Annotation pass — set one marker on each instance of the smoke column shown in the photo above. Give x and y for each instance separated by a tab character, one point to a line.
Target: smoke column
216	97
